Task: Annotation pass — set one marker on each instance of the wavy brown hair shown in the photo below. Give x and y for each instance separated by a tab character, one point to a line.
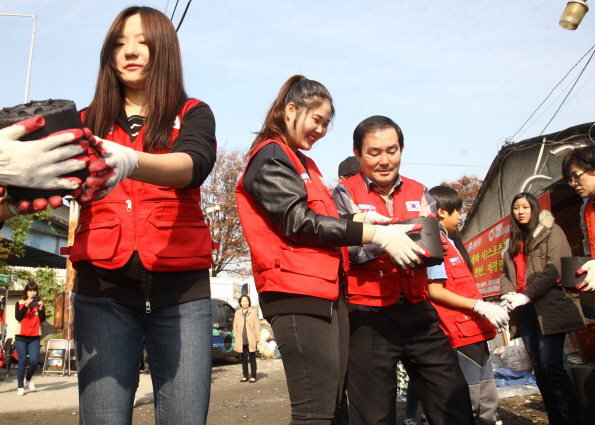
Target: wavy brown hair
305	95
162	76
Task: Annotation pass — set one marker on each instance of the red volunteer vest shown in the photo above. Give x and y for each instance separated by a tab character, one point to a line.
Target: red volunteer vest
30	325
278	263
165	225
381	282
463	327
590	221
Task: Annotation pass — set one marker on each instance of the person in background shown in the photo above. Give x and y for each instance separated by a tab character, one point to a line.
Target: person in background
411	406
246	330
465	318
348	167
295	234
578	169
29	313
540	311
143	245
388	303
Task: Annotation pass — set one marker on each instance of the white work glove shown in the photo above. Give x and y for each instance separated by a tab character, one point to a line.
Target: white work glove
513	300
494	313
588	283
398	245
40	163
372	217
115	163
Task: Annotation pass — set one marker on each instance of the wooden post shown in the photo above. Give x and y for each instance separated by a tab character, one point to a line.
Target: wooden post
70	272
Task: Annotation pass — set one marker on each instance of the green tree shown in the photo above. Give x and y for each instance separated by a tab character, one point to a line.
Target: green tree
21	225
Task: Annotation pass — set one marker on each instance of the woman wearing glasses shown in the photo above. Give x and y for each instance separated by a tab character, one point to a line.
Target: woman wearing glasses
578	169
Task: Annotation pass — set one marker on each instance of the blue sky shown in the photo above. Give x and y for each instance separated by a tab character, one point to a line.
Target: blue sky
459	77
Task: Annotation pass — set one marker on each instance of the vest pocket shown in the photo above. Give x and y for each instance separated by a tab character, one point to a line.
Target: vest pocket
373	282
175	235
322	263
471	326
96	240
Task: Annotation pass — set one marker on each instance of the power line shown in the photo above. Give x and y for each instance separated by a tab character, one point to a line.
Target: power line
541	104
174	12
184	15
578	78
447	165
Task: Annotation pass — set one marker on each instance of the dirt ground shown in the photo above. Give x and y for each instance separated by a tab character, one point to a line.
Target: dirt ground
264	402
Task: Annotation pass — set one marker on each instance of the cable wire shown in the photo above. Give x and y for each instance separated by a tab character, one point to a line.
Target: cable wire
184	15
174	12
541	104
578	78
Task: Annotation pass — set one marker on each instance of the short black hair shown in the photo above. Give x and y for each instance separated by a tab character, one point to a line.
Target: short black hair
447	198
350	166
371	124
30	286
247	297
583	158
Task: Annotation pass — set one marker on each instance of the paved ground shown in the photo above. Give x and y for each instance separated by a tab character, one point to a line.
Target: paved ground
265	402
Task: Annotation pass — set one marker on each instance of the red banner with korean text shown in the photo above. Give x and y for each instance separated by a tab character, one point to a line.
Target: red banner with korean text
486	248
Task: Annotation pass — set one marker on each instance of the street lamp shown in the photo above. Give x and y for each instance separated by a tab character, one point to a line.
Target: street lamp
573	14
30	50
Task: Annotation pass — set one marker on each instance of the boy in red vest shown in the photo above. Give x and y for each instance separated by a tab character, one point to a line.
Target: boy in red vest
465	318
390	317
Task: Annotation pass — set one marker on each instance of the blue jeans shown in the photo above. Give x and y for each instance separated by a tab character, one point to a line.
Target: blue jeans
412	402
546	353
23	348
109	344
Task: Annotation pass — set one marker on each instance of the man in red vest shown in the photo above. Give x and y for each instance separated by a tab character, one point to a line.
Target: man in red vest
390	318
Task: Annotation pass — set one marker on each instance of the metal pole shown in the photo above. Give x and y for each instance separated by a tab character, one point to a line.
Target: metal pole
30	59
30	50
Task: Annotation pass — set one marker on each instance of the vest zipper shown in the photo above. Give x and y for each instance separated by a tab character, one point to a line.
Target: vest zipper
147	306
129	205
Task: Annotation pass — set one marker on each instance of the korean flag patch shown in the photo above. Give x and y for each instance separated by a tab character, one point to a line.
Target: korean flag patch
412	206
306	178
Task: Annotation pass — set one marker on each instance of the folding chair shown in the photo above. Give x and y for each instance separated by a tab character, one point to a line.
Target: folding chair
72	357
56	357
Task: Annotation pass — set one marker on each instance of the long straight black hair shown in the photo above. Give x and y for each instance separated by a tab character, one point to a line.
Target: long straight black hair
523	232
164	82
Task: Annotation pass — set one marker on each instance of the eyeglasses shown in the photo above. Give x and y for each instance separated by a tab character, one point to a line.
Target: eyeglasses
574	176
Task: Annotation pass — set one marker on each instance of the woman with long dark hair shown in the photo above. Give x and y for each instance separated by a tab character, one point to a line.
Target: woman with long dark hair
540	311
293	229
143	247
29	313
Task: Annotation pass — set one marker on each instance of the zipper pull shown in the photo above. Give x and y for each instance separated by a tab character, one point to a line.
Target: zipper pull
381	273
129	203
147	306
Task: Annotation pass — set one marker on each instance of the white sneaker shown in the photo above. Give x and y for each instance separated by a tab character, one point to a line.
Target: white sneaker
409	421
31	385
20	391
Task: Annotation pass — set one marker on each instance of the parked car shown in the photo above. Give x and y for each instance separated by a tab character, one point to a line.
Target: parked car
223	314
